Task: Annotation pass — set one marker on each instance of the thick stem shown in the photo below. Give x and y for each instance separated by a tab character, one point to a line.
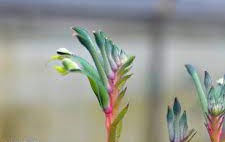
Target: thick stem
214	127
108	123
111	116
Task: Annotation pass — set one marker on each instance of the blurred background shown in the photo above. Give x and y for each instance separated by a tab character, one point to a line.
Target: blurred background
38	103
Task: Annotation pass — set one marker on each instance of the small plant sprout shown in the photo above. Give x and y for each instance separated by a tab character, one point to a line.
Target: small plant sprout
212	102
107	76
177	124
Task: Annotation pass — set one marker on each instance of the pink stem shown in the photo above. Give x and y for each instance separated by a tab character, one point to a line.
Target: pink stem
108	123
110	116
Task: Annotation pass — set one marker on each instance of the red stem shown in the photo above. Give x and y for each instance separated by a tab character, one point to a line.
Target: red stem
110	115
108	123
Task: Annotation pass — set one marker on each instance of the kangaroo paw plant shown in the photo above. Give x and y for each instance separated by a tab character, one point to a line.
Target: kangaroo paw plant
212	102
177	124
107	76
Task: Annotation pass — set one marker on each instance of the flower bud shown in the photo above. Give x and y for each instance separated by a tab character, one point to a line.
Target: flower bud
70	65
64	51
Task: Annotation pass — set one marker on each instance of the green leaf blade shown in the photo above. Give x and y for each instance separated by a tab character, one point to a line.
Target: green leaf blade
113	137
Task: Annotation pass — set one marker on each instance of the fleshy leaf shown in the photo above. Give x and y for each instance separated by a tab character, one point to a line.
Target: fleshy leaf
87	68
170	118
99	39
87	41
183	125
207	80
95	89
91	72
177	124
101	42
122	81
123	57
118	130
200	92
115	54
125	71
119	98
109	47
126	64
176	107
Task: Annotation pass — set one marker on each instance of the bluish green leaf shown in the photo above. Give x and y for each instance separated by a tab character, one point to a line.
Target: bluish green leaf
200	92
88	70
177	124
183	125
170	118
101	42
207	81
87	41
87	67
176	108
99	39
115	54
109	55
123	57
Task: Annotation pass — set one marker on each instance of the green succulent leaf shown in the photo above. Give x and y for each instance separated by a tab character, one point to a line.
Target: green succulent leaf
183	125
118	130
87	68
218	90
125	71
75	63
98	92
87	41
123	56
126	64
177	124
91	72
84	38
119	98
200	92
176	108
170	119
207	81
109	47
101	42
115	129
122	81
115	54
